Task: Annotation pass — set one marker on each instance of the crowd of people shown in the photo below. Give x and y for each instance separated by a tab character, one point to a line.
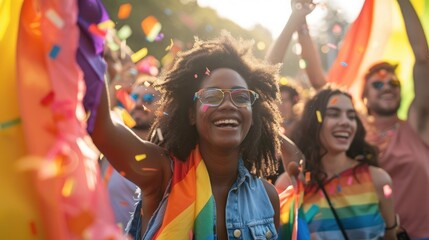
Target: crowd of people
203	150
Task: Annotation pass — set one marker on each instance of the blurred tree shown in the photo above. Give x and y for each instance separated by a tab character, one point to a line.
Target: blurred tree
180	21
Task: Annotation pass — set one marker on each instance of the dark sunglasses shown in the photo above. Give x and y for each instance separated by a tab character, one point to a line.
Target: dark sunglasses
214	97
147	97
380	84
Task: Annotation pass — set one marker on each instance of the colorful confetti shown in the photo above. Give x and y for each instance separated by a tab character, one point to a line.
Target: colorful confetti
319	116
159	37
330	45
48	99
344	64
124	32
387	190
108	24
140	157
96	31
169	46
54	51
333	101
151	28
195	75
68	187
283	81
122	173
350	180
123	203
10	123
207	71
159	133
302	64
205	107
53	16
124	11
137	56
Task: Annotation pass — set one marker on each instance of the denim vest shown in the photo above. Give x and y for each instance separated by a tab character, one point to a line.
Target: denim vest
249	213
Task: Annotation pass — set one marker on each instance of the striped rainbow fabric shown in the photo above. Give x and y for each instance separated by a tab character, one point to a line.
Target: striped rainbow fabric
375	36
292	222
355	200
65	195
190	209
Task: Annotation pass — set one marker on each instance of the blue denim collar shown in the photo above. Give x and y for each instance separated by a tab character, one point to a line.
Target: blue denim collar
243	175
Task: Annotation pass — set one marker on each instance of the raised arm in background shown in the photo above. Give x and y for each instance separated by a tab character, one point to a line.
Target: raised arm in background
123	149
418	115
309	53
300	9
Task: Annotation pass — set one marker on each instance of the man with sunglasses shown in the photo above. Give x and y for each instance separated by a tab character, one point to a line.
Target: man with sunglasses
143	113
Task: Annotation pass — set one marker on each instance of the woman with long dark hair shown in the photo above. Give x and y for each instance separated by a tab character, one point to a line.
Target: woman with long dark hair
347	196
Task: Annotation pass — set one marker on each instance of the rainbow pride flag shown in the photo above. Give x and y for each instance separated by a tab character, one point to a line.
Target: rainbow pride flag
190	209
293	225
48	154
378	34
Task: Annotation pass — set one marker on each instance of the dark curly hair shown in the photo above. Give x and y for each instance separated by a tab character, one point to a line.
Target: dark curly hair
307	137
179	84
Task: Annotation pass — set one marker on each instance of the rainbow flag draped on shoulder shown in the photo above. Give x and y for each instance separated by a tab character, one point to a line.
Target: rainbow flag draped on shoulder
190	209
293	225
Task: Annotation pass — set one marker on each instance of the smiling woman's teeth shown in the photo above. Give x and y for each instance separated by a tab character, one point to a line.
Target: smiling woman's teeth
231	122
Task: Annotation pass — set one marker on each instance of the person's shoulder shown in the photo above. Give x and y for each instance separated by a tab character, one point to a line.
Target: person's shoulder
271	190
380	178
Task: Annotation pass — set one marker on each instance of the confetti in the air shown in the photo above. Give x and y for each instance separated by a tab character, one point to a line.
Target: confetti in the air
140	157
137	56
68	187
205	107
54	51
108	24
159	37
207	71
96	31
124	11
48	99
159	133
169	46
151	28
124	32
319	116
53	16
330	45
350	180
344	64
387	190
334	101
124	203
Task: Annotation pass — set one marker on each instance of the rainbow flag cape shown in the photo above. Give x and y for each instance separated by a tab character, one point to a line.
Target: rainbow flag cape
378	34
50	175
190	208
293	225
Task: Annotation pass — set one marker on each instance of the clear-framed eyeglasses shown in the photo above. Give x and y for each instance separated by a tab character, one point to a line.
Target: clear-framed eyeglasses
213	97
